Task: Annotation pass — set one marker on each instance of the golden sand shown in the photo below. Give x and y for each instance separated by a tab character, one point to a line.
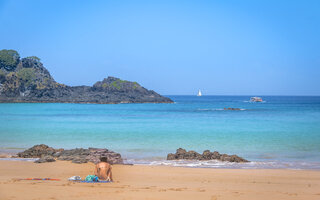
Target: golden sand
156	182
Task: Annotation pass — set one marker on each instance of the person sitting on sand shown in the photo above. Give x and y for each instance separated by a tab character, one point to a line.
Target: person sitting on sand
103	170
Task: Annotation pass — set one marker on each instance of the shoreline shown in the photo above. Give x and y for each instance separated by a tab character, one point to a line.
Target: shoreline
156	182
213	164
10	154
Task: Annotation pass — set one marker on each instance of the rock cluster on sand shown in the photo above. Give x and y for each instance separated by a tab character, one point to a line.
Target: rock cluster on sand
89	155
38	150
182	154
45	158
79	155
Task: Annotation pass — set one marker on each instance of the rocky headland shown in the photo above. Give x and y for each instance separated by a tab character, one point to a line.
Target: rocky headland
27	80
182	154
78	155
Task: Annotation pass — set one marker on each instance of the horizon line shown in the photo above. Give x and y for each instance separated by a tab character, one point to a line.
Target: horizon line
241	95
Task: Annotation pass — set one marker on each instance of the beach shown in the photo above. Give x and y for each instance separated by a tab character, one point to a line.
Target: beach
155	182
213	100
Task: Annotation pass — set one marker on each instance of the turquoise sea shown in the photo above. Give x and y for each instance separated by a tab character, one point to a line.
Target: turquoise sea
281	132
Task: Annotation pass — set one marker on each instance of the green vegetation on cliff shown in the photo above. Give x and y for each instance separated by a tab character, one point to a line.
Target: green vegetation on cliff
135	85
9	59
34	58
27	75
115	84
2	76
119	84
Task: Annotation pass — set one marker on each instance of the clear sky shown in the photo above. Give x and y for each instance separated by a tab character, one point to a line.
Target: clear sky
173	47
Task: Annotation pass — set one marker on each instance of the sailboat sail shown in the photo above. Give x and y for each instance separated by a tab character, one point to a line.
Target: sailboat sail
199	93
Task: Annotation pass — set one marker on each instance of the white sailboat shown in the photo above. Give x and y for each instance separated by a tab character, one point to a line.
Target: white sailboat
199	93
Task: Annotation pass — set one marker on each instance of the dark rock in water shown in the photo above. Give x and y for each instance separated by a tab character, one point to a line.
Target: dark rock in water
44	159
231	109
182	154
171	156
192	155
215	155
27	80
78	155
206	155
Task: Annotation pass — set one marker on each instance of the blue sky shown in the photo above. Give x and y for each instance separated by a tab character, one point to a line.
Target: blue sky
173	47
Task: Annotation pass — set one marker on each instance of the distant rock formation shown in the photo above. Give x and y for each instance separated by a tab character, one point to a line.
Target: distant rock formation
231	109
182	154
79	155
27	80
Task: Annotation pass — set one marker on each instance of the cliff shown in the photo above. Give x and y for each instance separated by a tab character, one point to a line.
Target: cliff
27	80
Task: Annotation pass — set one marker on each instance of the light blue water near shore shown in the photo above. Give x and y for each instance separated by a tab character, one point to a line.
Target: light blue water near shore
282	131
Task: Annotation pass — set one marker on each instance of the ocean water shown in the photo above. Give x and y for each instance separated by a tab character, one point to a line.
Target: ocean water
281	132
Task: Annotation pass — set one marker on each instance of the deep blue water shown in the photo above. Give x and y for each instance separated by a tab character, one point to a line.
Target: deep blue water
281	131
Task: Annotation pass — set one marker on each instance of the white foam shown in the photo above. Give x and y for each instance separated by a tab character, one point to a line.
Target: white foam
20	159
229	165
216	109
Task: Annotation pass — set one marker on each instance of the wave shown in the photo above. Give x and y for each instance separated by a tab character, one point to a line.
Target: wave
254	102
217	109
207	109
210	164
20	159
228	165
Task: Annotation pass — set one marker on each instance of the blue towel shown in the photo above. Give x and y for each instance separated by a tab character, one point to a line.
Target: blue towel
96	181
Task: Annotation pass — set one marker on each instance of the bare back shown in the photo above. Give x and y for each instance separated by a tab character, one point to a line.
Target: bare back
103	171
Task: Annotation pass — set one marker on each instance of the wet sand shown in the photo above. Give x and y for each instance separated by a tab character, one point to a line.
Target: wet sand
156	182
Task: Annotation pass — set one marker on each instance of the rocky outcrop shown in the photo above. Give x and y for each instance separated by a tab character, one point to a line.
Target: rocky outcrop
79	155
182	154
27	80
89	155
44	159
39	150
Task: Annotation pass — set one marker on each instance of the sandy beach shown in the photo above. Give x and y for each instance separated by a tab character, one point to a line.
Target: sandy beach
155	182
187	100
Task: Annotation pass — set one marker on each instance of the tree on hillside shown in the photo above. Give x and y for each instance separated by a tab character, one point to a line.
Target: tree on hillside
9	59
33	58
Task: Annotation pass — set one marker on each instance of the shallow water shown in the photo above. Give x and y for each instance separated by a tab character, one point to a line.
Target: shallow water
280	132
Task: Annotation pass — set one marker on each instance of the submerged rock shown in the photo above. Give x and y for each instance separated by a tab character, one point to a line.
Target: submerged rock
78	155
182	154
231	109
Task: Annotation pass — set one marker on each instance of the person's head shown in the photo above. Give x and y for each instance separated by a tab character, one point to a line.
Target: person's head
103	159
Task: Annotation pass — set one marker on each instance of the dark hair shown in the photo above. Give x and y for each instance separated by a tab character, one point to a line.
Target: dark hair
103	159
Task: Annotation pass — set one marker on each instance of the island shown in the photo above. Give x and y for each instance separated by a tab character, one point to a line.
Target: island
27	80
